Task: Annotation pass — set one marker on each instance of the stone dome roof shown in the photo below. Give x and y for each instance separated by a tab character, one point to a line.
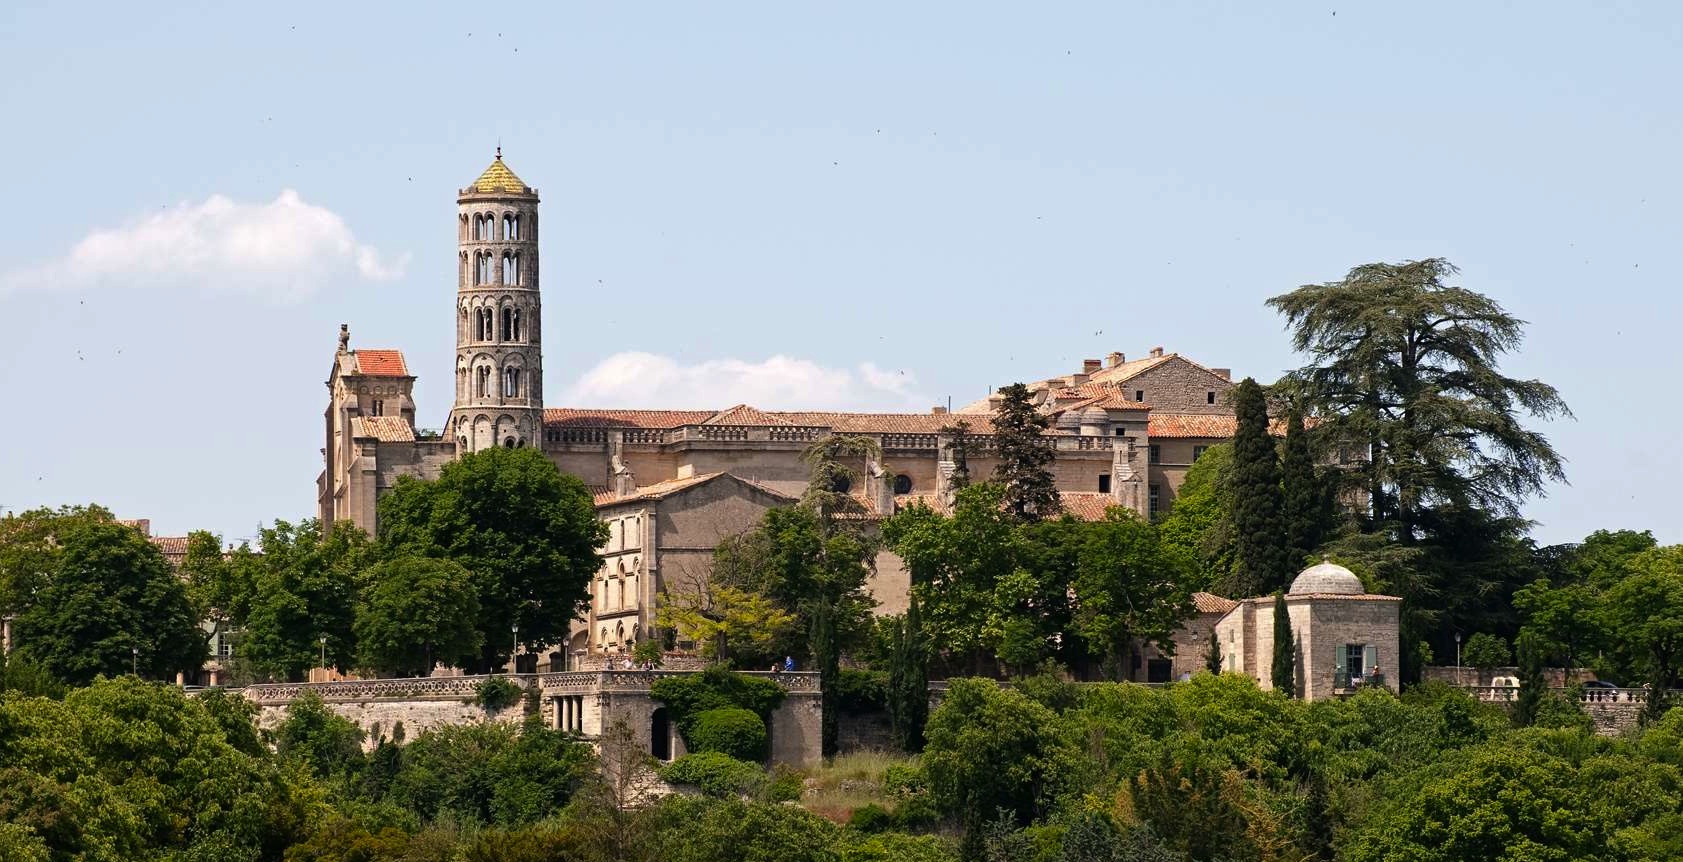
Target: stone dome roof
1069	419
1095	415
1326	577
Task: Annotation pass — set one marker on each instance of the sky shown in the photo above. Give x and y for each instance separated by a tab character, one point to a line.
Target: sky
823	206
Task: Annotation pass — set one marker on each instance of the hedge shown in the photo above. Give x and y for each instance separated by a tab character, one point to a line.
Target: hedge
731	730
715	774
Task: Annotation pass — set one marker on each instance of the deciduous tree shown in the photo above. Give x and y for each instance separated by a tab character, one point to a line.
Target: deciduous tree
416	611
527	532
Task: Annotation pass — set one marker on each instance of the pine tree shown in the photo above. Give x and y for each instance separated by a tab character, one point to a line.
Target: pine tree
1303	504
1024	459
1260	538
1212	656
1284	671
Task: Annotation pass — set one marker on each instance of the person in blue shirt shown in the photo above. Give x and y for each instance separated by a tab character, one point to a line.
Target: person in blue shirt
789	663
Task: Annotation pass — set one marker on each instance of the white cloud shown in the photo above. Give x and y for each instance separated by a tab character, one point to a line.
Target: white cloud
648	380
285	249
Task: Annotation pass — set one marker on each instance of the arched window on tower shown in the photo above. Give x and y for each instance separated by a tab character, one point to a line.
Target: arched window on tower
508	324
482	268
517	277
508	227
511	269
479	227
514	318
514	227
482	383
511	382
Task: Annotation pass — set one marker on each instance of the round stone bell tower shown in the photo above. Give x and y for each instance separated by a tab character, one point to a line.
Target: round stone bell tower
499	334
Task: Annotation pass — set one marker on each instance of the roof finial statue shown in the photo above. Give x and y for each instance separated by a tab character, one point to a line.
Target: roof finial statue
499	152
344	337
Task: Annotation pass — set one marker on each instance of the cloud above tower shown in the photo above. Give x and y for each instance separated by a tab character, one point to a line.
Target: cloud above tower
282	250
636	379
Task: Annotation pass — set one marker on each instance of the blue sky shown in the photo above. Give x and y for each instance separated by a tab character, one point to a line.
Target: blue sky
842	206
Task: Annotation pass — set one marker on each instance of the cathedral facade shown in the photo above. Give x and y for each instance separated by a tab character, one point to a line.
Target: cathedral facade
672	483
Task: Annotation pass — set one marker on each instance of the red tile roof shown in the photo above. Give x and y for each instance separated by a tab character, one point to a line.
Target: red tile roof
843	423
386	429
174	548
1086	505
1198	425
604	496
1210	603
742	414
381	363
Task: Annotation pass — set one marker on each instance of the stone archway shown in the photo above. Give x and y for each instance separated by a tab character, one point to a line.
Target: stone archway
660	734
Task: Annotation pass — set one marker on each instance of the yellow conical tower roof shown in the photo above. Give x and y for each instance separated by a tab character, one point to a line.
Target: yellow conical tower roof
499	179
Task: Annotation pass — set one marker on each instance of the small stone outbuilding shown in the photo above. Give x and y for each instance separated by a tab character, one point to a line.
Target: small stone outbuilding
1345	634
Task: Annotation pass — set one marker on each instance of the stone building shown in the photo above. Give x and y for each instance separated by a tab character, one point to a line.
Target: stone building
1124	431
1345	634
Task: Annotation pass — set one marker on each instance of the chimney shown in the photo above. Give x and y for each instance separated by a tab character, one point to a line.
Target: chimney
1156	352
1088	366
937	411
1115	359
1224	373
1074	380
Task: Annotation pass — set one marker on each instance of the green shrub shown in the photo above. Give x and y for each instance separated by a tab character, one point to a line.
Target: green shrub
497	693
904	782
786	785
715	773
861	691
871	818
715	688
731	730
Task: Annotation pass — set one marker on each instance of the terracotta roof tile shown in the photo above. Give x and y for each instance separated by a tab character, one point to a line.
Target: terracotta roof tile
604	496
1086	505
386	429
843	423
568	417
742	414
174	548
1198	425
1210	603
381	363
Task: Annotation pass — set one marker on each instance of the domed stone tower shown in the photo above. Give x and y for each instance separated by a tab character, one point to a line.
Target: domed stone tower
499	334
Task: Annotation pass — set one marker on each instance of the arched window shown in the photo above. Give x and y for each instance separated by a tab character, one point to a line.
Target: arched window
483	383
902	484
508	442
511	269
514	224
508	227
508	324
619	631
515	329
511	382
604	640
622	602
482	268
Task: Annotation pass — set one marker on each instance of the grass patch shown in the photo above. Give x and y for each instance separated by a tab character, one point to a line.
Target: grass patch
850	782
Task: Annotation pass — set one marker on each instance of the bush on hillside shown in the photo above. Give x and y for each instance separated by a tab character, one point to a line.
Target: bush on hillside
732	730
715	774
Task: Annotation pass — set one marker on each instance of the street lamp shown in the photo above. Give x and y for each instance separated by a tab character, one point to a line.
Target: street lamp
514	657
324	656
134	660
1458	658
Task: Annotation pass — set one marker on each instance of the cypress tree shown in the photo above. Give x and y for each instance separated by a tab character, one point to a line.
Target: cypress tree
959	451
908	684
1533	687
1024	461
1284	672
1302	503
1212	656
1259	534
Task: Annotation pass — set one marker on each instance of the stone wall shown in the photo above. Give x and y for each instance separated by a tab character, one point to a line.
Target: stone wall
1181	386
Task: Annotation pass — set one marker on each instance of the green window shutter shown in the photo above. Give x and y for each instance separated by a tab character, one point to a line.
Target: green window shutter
1370	658
1340	672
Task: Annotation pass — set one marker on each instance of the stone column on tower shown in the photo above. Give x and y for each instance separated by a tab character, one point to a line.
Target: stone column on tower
499	337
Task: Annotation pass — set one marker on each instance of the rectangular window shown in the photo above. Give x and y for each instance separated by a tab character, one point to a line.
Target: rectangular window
1121	432
1209	397
1156	453
1153	506
1139	394
1349	668
1104	483
1198	452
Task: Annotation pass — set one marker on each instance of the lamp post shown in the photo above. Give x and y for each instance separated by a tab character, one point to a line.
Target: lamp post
323	640
514	657
134	660
1458	658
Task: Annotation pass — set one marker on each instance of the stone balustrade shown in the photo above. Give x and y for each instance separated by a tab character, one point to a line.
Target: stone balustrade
466	687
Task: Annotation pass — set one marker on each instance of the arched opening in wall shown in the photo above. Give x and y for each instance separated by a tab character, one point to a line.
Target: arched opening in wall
514	222
377	408
660	734
902	484
511	269
622	593
478	224
841	485
514	328
483	384
482	268
508	324
511	383
508	227
508	442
